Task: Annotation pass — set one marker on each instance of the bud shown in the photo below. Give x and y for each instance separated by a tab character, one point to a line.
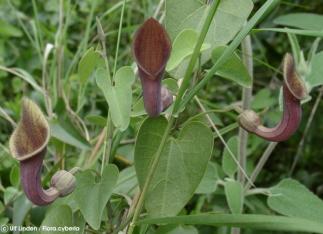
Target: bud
64	182
249	120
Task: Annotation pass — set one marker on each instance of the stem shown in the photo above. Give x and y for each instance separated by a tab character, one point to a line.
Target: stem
181	92
246	102
7	117
159	7
187	77
267	7
107	143
307	128
118	40
234	158
247	59
110	128
270	148
150	176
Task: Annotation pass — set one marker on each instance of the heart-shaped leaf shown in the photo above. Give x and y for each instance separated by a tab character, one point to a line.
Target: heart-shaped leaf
183	46
58	216
88	63
93	196
118	95
180	169
233	69
190	14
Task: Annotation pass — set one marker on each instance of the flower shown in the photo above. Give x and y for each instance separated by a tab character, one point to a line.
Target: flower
294	90
151	50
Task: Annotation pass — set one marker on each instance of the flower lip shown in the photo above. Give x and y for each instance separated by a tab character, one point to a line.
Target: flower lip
151	48
32	133
294	83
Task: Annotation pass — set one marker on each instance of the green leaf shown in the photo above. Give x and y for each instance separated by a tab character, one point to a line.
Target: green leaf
291	198
28	78
250	221
88	63
208	182
118	95
309	33
228	164
181	229
176	12
15	175
57	217
64	133
307	21
127	181
263	99
234	195
10	194
7	30
190	14
92	196
315	77
233	69
97	120
181	167
21	207
183	46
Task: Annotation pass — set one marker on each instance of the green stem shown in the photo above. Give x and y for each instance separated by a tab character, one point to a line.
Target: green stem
196	54
150	175
182	89
246	102
262	161
118	40
267	7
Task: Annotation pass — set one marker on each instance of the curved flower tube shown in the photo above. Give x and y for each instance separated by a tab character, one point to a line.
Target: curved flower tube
28	145
151	50
294	90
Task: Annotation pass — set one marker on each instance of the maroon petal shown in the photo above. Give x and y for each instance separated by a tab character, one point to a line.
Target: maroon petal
151	48
293	90
28	144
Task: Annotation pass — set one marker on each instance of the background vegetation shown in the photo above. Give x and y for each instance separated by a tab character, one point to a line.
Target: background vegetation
29	28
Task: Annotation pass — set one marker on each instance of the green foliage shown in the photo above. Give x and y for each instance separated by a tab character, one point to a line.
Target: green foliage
88	63
258	222
92	196
118	94
229	166
233	69
181	167
301	20
183	46
234	195
51	52
208	184
293	199
315	76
